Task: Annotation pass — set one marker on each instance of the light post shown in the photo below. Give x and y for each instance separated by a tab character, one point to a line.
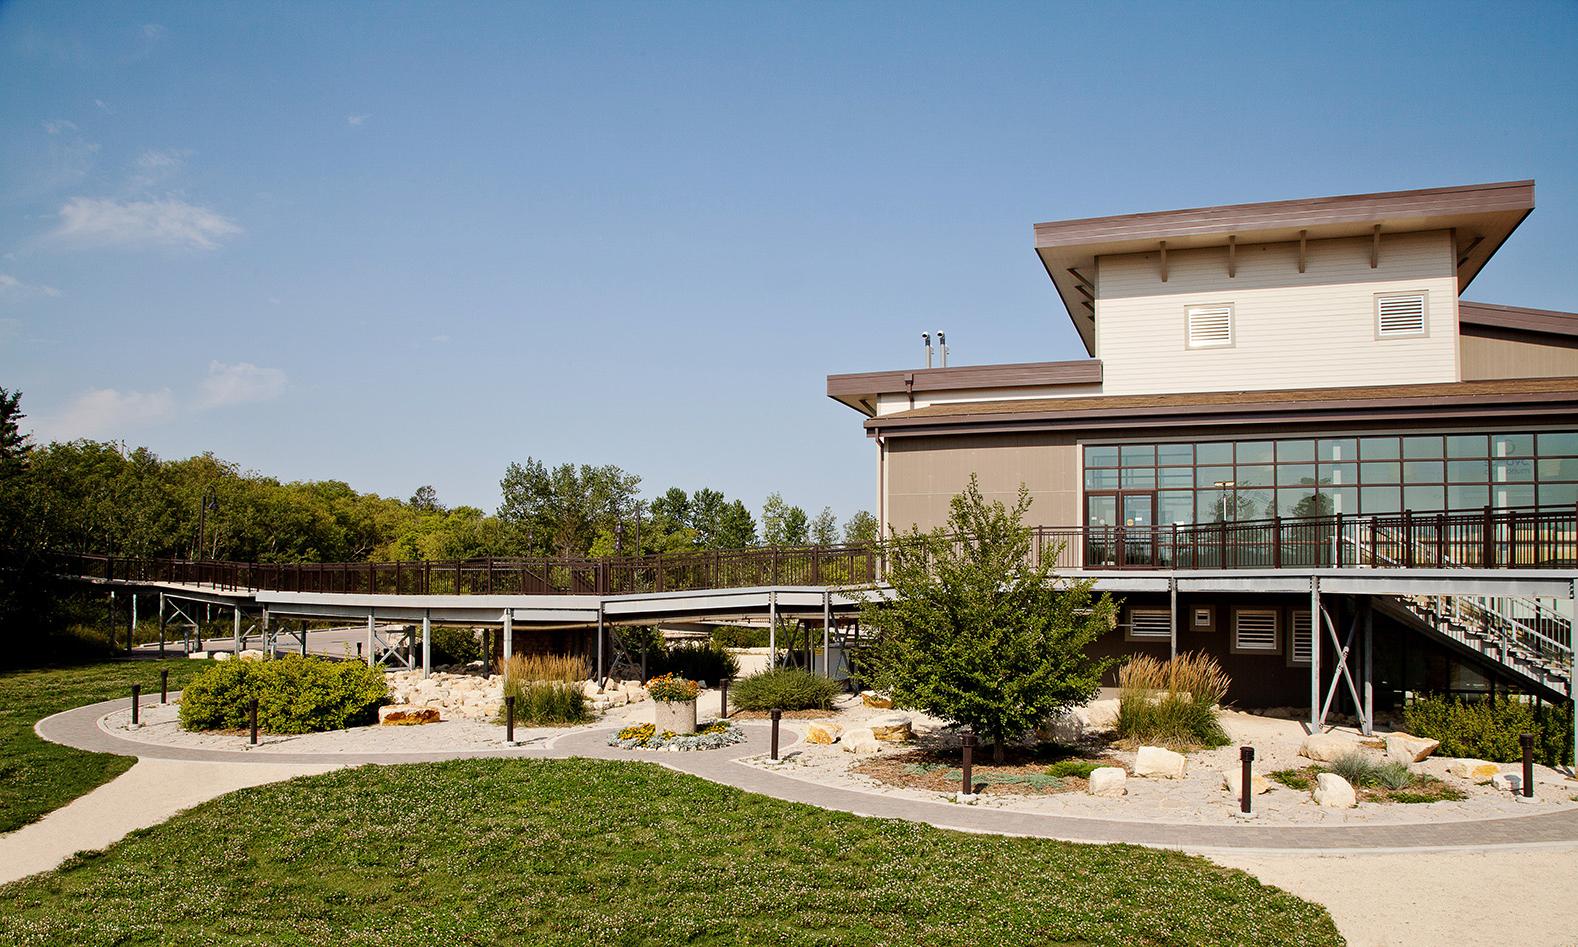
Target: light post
210	501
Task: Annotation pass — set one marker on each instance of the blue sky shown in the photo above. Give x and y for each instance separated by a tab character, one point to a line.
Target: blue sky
400	244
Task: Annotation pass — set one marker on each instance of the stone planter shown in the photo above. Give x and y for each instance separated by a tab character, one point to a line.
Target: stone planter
676	715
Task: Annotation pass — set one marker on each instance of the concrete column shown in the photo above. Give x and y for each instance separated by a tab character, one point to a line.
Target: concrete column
268	643
509	634
427	644
131	634
235	633
1314	655
369	646
827	635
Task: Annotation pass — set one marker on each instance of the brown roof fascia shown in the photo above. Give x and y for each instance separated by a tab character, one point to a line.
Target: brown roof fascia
1517	318
855	389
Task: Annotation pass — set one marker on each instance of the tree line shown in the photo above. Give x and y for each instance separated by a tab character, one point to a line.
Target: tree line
102	497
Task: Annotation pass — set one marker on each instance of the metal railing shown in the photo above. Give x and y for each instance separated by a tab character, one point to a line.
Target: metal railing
1529	538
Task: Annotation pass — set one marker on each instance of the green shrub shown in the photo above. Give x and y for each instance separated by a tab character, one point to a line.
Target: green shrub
740	636
703	661
1171	703
784	689
1489	729
455	646
1080	768
294	695
1361	769
547	703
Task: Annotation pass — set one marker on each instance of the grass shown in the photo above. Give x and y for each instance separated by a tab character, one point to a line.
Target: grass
1171	703
37	776
1374	780
583	851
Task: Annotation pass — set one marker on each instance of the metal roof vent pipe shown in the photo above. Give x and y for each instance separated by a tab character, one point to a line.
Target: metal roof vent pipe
926	341
942	344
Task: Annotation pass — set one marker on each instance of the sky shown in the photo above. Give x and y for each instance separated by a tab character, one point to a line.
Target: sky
403	244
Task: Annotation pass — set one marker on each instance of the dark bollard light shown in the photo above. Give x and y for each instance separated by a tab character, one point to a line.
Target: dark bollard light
1527	739
509	719
164	686
1246	789
136	693
723	701
967	765
252	713
777	715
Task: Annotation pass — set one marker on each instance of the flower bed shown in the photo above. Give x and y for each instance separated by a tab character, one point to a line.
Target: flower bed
1024	774
714	736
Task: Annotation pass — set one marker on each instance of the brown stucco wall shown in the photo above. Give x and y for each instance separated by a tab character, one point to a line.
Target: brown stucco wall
1489	354
924	473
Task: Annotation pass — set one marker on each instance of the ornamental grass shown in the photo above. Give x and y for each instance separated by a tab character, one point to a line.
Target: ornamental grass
1172	703
547	690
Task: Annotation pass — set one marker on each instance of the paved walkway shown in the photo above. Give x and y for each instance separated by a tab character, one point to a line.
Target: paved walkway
79	728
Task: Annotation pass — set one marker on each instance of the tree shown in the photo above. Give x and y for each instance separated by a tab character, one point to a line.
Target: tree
824	529
706	516
782	524
425	500
560	512
975	634
861	530
736	527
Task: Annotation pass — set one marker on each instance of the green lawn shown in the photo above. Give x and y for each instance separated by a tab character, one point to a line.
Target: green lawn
581	851
37	776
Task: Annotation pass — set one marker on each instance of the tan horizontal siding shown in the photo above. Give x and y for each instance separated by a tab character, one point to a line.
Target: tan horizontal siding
1504	356
1290	330
923	475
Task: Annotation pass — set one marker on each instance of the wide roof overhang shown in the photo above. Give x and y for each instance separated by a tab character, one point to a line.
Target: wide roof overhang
1482	215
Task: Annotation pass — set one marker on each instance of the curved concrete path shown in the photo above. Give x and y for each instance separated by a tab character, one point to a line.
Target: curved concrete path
80	728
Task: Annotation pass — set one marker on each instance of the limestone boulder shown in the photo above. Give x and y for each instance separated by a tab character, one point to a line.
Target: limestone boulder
859	740
1334	792
823	732
1507	782
252	654
1109	781
1477	770
1098	715
1233	782
874	699
1065	730
221	655
198	656
407	716
1158	763
890	728
1406	748
1326	747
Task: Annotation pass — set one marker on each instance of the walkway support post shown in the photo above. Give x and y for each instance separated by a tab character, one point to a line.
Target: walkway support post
772	630
427	643
827	635
131	634
235	632
1315	624
599	644
509	635
161	624
1172	617
1369	666
372	658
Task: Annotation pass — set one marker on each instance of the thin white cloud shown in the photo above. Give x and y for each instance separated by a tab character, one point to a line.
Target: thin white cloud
241	383
165	222
153	32
101	412
356	121
157	165
13	288
56	126
440	339
102	106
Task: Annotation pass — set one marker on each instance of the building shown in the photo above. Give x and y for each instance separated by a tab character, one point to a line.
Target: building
1282	386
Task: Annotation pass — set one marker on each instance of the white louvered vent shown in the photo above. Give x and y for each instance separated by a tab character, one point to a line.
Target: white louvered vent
1300	642
1400	315
1255	630
1150	623
1210	326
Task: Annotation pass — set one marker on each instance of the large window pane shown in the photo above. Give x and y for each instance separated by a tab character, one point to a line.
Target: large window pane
1212	506
1175	506
1465	445
1255	505
1558	444
1297	503
1139	478
1213	476
1558	494
1101	479
1380	500
1218	452
1175	477
1559	468
1338	449
1422	447
1464	497
1378	448
1380	473
1517	470
1101	457
1468	471
1422	471
1295	451
1511	495
1344	500
1257	475
1255	452
1174	454
1422	499
1339	474
1295	475
1139	455
1512	445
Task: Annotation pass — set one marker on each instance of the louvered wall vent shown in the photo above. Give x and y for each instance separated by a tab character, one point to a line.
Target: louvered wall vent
1400	315
1210	326
1255	630
1150	623
1299	635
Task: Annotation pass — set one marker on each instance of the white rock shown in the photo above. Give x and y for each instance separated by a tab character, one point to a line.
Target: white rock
198	656
1233	782
1326	747
859	740
221	655
890	728
1507	782
1334	792
1406	748
1477	770
1158	762
253	654
1099	714
1107	781
823	732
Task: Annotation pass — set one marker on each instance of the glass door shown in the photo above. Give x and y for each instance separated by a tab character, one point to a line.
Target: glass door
1101	530
1139	520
